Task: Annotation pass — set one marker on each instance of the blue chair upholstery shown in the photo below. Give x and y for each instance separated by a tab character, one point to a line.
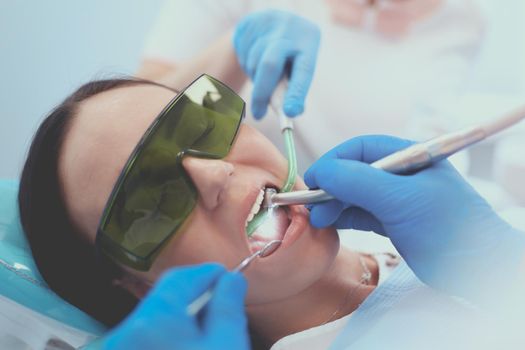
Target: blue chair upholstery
19	277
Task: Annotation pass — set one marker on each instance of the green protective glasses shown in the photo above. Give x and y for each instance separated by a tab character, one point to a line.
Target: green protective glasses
154	195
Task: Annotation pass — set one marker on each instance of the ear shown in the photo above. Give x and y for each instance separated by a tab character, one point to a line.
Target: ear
133	284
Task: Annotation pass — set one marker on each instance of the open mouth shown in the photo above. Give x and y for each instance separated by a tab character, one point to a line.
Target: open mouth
273	227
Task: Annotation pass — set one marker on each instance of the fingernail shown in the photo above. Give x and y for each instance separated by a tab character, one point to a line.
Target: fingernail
238	281
259	112
293	109
316	224
256	114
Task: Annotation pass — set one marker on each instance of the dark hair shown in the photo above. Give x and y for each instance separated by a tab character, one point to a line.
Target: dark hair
65	260
69	264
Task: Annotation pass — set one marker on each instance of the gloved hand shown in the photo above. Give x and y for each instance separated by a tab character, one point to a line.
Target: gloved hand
448	235
161	322
265	42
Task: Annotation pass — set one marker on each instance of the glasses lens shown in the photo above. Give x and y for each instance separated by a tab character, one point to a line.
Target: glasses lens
154	195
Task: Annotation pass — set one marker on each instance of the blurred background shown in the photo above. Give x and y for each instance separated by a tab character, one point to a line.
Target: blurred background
48	48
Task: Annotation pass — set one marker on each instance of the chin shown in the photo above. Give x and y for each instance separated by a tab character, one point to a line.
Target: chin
289	271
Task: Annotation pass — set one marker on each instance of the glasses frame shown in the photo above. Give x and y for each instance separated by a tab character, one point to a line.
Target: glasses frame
103	243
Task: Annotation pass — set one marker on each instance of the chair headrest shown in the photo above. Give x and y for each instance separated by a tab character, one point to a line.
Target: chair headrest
19	276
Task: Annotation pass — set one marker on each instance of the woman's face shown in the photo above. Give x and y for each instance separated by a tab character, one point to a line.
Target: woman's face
98	143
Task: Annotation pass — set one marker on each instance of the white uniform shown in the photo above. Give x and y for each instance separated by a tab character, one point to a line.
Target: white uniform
364	82
24	329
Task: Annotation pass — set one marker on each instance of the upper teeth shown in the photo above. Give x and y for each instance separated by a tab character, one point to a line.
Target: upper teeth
256	206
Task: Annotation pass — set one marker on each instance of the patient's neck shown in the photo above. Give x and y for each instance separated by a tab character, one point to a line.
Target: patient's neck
316	305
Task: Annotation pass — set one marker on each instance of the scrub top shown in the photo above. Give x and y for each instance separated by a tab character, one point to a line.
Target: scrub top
365	82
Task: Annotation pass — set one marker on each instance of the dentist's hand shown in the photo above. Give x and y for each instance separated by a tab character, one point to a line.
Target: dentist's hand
448	235
161	321
265	42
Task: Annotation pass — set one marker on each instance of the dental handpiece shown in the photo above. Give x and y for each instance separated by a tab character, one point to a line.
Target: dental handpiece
199	303
412	158
286	125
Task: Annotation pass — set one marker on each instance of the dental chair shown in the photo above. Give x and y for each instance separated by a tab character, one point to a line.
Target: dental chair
31	315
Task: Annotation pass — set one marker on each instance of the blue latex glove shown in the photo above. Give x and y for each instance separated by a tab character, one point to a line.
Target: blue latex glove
161	322
265	42
448	235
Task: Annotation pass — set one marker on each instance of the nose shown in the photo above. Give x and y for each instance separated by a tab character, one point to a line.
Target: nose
210	176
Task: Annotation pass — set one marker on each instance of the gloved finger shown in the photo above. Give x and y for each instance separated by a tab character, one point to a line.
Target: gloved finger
368	149
359	219
254	55
325	214
267	75
242	38
226	318
303	67
168	300
178	287
358	183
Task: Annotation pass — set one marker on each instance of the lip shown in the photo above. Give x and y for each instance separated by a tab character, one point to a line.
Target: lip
296	222
298	216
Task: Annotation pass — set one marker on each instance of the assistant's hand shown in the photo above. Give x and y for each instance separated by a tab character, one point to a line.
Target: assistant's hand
448	235
265	42
161	322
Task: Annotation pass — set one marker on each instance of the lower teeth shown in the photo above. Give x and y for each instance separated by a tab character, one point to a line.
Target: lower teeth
272	228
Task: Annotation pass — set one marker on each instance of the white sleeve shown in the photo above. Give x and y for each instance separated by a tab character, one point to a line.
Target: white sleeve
22	328
185	27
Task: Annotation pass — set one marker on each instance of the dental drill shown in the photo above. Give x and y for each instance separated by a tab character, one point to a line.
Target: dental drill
410	159
199	303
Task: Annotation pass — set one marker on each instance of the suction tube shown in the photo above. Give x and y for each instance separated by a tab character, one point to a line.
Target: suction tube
287	131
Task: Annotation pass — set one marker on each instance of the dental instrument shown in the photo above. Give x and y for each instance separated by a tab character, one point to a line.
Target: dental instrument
411	159
199	303
286	126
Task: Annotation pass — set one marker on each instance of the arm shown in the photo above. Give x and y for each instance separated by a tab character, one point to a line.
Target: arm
266	45
218	60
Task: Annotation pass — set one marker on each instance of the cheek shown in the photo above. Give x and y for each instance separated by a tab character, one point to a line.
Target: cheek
202	239
252	148
293	269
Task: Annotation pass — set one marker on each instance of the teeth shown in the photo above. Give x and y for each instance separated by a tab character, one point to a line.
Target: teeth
256	206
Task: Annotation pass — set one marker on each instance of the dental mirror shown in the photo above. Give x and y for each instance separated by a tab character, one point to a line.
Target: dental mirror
199	303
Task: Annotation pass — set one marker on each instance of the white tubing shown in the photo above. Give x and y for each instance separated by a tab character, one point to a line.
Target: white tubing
276	103
494	126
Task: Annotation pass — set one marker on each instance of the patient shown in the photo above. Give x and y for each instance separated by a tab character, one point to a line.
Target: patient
74	161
